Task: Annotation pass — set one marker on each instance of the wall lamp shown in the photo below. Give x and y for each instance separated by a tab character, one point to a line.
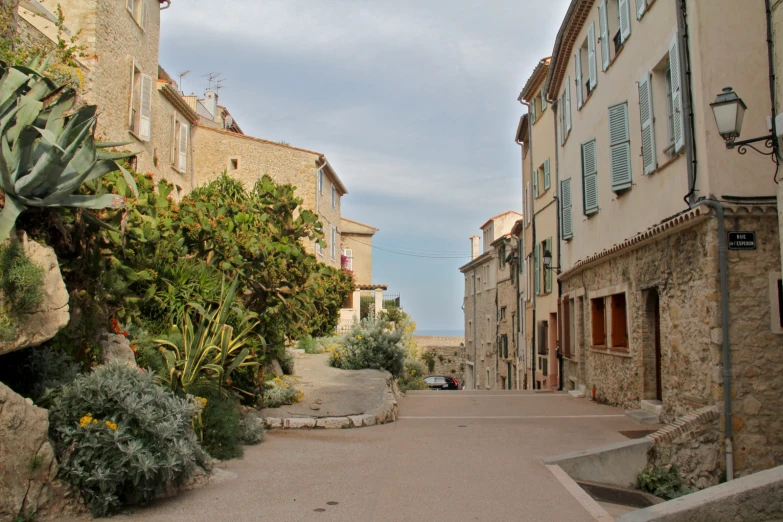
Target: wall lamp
729	111
548	262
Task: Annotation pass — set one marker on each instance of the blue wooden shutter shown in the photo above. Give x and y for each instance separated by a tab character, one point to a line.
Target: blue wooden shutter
592	64
536	271
641	5
547	181
619	147
578	71
677	120
603	23
625	19
589	178
566	215
646	119
548	272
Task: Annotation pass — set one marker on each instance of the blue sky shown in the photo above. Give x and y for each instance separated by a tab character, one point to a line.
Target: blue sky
413	102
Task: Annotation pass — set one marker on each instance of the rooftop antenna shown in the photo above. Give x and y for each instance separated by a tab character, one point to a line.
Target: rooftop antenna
212	80
182	75
219	85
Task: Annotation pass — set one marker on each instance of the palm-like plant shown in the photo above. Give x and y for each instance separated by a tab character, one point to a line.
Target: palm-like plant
209	349
46	154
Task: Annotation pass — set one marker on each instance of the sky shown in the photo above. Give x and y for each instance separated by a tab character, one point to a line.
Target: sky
414	103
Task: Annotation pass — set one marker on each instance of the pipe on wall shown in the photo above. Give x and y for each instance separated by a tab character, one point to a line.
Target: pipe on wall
533	224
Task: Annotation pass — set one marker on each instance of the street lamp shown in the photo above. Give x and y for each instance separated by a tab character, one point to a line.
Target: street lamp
729	112
548	262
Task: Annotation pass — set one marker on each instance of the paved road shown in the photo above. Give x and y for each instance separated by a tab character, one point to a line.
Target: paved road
452	456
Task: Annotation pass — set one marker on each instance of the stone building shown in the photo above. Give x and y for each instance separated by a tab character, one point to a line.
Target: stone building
645	319
507	360
480	305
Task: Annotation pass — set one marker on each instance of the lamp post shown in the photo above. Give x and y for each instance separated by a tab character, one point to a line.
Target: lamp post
548	262
729	112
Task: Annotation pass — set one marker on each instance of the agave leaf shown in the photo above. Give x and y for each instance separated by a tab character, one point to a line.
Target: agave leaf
129	180
102	168
92	202
49	166
103	155
12	80
56	119
8	216
66	187
108	144
49	137
28	112
85	131
76	124
98	222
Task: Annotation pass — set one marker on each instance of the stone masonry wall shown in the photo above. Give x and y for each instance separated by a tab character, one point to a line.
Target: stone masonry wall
756	351
213	150
683	269
449	355
507	293
485	329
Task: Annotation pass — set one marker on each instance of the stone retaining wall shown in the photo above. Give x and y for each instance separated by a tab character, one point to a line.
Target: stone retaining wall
449	355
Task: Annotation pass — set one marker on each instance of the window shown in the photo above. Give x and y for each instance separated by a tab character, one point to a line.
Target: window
566	217
677	123
334	243
502	313
641	6
585	61
318	248
619	148
618	320
543	100
646	118
536	269
776	302
624	20
520	256
565	111
334	197
589	178
486	274
348	259
598	317
137	11
603	23
545	367
669	106
568	327
140	104
504	345
543	328
233	164
546	245
533	114
320	181
545	170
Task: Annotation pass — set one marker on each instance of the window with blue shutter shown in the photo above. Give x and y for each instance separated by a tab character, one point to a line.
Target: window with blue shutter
543	101
592	64
619	148
536	271
677	120
566	216
646	119
641	5
578	71
547	270
624	9
603	24
533	110
589	178
547	181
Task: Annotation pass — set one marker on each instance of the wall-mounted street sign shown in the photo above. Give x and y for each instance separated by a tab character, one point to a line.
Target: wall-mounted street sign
742	241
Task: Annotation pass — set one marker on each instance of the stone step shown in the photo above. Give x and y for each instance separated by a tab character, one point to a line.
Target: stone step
642	417
579	392
653	407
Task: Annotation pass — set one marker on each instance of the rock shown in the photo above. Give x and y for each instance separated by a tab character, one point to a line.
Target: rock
275	368
271	422
36	327
116	348
315	408
27	465
752	406
298	423
333	423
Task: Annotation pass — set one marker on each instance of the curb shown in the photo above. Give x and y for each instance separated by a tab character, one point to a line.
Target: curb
387	412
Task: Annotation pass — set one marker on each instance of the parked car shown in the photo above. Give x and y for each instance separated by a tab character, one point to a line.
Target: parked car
440	382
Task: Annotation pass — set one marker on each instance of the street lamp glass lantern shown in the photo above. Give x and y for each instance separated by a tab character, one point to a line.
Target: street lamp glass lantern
547	258
729	111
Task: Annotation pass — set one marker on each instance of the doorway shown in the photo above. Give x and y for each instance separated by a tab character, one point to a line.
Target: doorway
653	379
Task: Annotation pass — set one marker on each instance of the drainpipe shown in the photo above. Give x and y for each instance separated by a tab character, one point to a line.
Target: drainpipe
557	272
475	328
724	308
533	222
687	95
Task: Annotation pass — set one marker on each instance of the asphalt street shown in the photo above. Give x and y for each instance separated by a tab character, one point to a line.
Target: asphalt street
452	456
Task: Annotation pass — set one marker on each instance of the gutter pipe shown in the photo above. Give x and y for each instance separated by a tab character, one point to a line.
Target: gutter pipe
559	353
533	223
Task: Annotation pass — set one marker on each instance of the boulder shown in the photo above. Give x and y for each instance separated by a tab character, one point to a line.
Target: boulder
27	463
36	327
116	348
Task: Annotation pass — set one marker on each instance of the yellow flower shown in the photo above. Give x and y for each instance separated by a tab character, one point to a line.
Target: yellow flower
203	401
87	419
413	372
359	337
112	426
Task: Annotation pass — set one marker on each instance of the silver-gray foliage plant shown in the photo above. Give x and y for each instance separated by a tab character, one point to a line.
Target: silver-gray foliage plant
121	438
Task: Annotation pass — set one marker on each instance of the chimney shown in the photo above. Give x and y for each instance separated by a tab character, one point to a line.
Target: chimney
474	247
211	102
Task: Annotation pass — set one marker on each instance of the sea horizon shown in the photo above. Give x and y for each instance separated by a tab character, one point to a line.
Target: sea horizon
440	333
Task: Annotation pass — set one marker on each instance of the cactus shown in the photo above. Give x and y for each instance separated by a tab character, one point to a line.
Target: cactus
46	155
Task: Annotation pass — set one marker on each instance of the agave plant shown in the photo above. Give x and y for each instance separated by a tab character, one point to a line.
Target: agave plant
209	349
47	154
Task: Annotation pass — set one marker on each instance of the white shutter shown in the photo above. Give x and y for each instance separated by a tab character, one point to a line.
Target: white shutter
543	101
589	178
592	65
605	41
183	147
625	19
143	14
129	4
145	116
349	258
568	104
619	147
547	181
533	110
529	204
566	216
641	5
535	183
646	119
562	119
578	67
677	119
131	121
536	271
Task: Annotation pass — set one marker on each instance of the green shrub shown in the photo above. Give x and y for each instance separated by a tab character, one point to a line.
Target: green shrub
20	279
310	345
220	422
251	430
413	377
370	345
121	438
287	361
662	482
281	390
429	358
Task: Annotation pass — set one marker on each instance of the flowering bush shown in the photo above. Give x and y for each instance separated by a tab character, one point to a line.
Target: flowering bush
281	390
251	429
413	377
121	438
371	344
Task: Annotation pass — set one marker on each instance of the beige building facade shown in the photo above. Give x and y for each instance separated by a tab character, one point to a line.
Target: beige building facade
357	249
650	195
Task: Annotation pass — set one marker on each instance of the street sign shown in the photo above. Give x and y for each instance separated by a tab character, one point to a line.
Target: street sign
742	241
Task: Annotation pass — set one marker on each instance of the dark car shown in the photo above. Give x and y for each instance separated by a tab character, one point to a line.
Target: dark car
438	382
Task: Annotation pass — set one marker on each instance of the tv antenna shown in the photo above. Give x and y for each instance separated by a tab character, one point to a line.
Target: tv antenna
213	80
182	75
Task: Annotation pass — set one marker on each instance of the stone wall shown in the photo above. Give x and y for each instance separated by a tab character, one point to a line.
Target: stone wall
8	18
215	149
682	269
485	328
693	444
507	296
449	355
